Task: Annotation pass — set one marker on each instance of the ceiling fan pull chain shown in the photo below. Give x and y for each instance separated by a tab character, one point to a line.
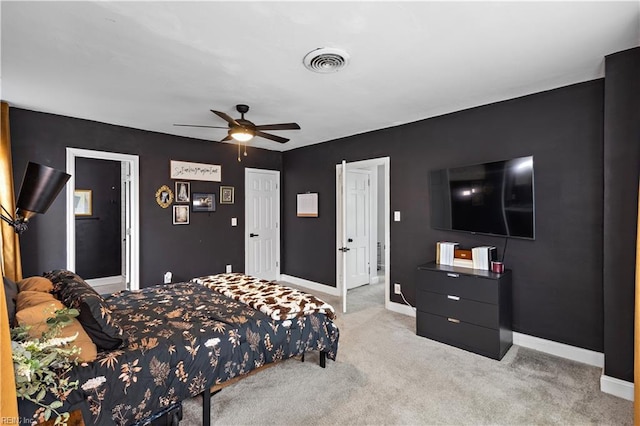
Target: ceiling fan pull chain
245	149
239	159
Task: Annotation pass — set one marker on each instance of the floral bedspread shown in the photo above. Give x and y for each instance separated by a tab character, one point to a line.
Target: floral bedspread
278	301
181	338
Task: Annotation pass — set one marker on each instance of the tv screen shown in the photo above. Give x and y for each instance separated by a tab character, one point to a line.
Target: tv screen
491	198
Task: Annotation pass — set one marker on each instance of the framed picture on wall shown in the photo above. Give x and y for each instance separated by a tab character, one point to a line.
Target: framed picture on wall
203	202
226	194
164	196
181	214
82	202
183	192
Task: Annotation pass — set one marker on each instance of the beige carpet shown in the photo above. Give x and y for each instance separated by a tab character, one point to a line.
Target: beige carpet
386	374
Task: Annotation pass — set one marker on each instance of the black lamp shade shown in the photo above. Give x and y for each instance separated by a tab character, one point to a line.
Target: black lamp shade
40	186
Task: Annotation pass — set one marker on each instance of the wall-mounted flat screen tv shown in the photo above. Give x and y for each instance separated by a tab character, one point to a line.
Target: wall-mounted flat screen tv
494	198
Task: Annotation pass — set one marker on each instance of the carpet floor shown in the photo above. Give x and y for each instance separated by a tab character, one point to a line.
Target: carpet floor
387	375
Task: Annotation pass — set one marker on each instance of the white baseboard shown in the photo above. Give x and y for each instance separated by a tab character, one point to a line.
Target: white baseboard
610	385
616	387
562	350
400	308
311	285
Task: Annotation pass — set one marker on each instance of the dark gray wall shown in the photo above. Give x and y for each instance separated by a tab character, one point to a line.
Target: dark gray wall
202	247
622	168
99	236
557	279
571	285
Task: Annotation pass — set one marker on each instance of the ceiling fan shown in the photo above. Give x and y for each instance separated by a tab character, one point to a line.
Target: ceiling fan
243	130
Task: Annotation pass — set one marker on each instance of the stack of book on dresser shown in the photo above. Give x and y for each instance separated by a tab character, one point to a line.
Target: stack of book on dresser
448	253
482	257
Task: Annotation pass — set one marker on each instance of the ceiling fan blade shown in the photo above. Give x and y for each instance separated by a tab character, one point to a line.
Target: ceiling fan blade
228	138
198	125
272	137
225	117
283	126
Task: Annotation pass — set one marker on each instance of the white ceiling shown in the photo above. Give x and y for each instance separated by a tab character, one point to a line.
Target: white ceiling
148	65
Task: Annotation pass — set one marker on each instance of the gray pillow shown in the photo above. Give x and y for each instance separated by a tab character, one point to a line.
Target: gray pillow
10	293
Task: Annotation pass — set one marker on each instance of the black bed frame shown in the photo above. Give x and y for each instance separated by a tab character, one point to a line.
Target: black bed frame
206	395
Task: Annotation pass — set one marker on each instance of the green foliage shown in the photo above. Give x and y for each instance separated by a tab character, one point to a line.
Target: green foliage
41	365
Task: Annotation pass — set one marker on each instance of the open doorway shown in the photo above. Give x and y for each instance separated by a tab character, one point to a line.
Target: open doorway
103	216
362	231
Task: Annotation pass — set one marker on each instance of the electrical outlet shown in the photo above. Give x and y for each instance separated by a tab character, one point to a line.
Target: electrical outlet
167	277
397	289
228	268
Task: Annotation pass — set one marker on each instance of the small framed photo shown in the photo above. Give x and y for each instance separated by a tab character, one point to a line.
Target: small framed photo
82	202
164	196
226	194
181	214
203	202
183	192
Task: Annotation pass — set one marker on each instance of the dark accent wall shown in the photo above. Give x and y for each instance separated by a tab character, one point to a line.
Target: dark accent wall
202	247
99	236
557	278
622	169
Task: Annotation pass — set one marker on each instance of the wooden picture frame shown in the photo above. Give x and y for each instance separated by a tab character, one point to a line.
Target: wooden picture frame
83	202
183	192
181	214
227	194
203	202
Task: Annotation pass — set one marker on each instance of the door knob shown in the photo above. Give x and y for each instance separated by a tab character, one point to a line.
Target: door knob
253	235
350	240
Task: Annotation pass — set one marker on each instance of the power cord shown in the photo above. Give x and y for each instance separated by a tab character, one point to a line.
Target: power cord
405	301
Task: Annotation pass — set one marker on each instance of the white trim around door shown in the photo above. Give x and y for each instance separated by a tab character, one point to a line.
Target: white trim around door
133	280
366	164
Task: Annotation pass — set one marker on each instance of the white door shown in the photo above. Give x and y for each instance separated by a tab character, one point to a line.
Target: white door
342	232
262	216
126	228
358	227
342	244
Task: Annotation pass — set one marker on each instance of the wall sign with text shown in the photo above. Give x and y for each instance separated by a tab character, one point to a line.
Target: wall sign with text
195	171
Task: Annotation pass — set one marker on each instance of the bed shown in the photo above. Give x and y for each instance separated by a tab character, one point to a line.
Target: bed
166	343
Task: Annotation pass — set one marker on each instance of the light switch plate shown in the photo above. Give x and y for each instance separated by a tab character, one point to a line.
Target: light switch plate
234	221
396	216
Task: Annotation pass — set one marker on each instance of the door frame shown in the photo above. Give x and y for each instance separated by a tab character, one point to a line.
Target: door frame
276	173
375	162
134	206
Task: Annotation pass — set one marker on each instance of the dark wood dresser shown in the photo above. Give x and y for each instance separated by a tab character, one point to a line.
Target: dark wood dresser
466	308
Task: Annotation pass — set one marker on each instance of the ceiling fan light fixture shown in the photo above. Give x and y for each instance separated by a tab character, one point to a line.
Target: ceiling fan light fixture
241	134
325	60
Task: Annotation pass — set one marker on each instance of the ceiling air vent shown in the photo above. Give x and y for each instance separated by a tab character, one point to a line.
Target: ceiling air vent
326	60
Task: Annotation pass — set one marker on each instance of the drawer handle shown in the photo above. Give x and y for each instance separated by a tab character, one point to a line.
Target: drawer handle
453	297
453	320
452	275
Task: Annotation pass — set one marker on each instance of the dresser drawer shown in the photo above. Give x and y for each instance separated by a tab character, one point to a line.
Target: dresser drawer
454	306
465	286
481	340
